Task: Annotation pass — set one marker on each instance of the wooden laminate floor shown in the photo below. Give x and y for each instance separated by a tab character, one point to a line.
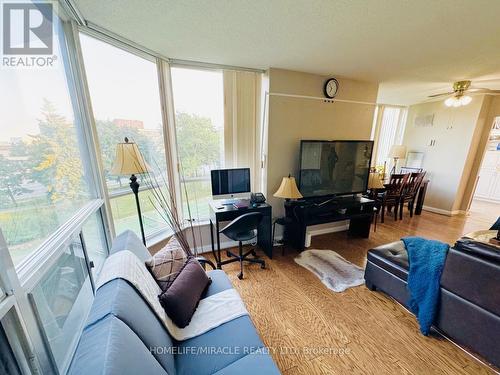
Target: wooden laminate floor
312	330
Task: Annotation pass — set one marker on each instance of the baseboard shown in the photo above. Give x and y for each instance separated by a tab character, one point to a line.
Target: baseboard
443	212
339	227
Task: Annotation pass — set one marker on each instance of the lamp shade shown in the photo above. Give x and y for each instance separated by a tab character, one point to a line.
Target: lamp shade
397	152
374	181
288	189
128	160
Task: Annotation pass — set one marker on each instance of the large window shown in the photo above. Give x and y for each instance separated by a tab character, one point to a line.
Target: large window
389	129
48	196
126	103
199	120
43	178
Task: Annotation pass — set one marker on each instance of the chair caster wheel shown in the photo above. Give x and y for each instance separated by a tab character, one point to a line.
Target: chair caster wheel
263	266
228	254
240	276
254	254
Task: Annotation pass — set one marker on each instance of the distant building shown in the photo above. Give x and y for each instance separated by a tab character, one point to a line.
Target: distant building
123	123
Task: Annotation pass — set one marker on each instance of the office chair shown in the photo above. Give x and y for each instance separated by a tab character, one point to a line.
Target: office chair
243	228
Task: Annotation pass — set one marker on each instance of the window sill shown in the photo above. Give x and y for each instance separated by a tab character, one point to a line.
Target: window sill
164	234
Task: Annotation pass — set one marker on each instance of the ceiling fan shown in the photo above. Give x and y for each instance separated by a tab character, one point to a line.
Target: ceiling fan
458	98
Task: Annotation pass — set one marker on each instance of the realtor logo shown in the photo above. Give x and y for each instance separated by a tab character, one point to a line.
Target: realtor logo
27	28
27	34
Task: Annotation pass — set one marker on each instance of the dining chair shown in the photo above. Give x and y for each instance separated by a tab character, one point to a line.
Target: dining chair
410	193
392	196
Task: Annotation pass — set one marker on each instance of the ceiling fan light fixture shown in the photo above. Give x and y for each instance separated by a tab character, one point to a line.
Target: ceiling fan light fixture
450	101
458	101
464	100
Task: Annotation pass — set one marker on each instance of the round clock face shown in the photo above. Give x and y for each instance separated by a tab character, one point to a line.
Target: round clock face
331	87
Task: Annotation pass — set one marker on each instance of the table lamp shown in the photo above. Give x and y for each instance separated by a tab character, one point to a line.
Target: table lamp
374	183
129	161
397	152
288	189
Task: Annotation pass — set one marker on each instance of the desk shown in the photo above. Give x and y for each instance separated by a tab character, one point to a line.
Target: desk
228	213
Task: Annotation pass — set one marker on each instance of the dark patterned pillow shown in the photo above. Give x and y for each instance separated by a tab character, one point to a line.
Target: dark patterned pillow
181	299
166	264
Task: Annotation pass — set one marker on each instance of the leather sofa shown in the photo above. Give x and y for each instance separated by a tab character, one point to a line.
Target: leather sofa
123	335
469	306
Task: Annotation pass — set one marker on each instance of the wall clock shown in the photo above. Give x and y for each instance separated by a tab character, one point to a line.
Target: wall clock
330	88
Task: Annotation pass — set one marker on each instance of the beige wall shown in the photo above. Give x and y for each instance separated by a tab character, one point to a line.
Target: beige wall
292	119
457	132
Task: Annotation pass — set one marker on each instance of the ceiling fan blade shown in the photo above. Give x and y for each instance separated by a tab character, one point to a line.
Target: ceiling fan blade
478	89
483	91
442	94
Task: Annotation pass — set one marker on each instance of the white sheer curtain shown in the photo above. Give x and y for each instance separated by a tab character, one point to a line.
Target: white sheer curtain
389	130
242	122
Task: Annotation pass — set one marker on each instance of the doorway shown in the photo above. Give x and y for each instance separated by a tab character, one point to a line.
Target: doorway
486	200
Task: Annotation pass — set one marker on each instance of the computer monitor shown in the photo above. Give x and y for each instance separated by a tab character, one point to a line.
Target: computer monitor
230	183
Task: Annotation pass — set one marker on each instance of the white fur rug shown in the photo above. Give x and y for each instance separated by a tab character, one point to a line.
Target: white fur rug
334	271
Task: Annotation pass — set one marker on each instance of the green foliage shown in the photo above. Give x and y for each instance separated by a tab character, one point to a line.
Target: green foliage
150	143
14	173
55	157
199	144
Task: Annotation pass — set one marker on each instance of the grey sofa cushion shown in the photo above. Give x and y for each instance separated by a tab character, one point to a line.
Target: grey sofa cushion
220	282
109	347
120	299
128	240
236	338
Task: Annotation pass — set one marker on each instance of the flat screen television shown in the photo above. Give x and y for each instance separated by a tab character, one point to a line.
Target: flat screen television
329	168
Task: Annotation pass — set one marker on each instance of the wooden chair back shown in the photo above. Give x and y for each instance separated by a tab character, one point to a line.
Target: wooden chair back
397	183
414	182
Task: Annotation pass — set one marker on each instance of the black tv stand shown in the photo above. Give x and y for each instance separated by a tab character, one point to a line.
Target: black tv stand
312	211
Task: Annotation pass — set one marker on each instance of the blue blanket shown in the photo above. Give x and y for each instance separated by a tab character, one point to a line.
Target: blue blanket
426	259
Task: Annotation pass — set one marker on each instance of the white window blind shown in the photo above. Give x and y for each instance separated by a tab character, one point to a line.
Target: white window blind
390	130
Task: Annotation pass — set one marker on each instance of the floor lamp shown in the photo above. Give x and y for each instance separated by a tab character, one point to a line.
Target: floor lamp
129	161
397	152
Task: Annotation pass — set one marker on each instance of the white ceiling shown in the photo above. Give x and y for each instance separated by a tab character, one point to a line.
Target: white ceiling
413	48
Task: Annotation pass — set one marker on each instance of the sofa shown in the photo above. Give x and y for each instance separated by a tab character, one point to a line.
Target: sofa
469	305
122	335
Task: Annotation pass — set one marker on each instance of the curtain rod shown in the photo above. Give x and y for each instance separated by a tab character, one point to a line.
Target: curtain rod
321	98
214	66
334	100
